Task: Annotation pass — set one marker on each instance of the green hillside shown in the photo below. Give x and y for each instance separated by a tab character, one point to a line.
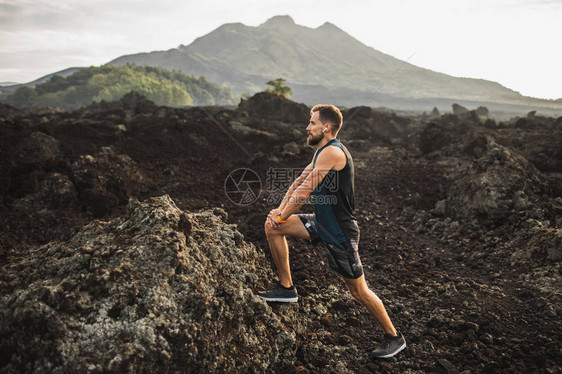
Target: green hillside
109	83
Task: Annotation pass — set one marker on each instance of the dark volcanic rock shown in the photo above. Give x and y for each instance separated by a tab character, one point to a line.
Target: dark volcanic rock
105	180
132	101
55	191
434	137
7	110
460	237
482	112
459	109
358	111
266	105
157	288
498	184
39	149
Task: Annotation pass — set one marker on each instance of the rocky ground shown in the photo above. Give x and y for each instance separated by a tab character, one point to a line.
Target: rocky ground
460	219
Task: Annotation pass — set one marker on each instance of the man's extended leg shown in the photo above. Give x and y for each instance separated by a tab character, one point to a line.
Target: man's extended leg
279	248
359	290
393	341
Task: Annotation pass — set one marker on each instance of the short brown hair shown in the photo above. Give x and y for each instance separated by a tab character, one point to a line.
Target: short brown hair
329	114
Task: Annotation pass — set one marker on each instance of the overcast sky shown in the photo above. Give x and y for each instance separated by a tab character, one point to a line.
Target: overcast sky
513	42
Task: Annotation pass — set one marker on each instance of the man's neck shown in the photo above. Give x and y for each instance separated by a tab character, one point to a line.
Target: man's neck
324	141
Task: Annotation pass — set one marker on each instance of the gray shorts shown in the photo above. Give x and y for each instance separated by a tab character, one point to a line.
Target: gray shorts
342	257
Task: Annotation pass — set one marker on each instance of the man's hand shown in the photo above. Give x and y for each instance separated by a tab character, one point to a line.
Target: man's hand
272	218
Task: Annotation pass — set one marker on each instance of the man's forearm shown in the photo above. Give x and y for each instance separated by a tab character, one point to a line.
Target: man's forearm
288	196
294	203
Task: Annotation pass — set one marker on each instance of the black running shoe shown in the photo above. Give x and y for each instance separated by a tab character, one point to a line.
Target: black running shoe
390	346
280	294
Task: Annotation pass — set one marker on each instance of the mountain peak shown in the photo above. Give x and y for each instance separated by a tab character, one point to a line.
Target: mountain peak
328	25
278	21
245	57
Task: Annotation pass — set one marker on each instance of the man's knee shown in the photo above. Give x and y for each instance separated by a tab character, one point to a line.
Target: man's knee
359	291
269	231
356	292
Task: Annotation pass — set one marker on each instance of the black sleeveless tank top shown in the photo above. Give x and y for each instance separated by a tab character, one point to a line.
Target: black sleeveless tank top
334	201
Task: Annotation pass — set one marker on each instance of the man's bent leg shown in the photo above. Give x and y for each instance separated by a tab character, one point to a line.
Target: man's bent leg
359	290
276	238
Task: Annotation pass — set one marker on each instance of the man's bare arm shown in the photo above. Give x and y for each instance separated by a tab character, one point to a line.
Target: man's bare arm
325	162
272	216
301	178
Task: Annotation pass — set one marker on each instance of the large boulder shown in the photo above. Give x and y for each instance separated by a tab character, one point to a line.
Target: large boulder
133	101
459	109
38	149
269	106
55	191
158	289
482	112
454	139
435	137
24	162
105	180
498	184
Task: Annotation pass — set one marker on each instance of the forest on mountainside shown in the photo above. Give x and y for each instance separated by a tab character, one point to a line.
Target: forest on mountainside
109	83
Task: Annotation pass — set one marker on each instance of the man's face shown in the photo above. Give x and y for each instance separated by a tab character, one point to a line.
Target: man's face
314	130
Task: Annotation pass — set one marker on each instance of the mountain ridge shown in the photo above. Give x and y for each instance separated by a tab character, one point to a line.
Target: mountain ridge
245	57
7	90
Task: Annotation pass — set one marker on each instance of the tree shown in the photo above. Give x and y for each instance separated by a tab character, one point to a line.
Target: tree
279	88
23	97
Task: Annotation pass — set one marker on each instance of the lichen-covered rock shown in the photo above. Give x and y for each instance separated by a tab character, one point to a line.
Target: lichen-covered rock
537	242
157	288
498	184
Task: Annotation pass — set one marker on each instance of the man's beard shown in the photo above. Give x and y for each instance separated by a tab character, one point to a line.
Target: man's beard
314	140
